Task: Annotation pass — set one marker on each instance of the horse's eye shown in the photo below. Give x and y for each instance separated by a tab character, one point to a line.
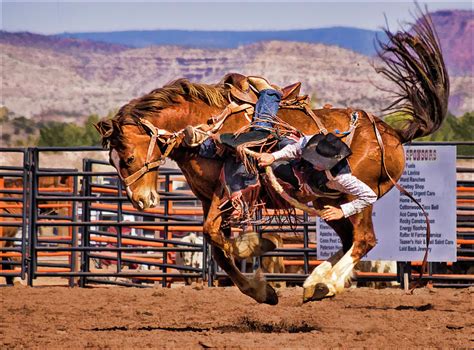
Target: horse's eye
130	160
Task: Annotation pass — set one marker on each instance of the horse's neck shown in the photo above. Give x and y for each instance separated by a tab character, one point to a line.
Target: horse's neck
201	174
186	113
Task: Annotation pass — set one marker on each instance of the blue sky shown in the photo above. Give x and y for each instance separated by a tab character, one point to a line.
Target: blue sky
85	16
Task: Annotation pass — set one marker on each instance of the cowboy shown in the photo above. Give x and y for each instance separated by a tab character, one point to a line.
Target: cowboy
323	162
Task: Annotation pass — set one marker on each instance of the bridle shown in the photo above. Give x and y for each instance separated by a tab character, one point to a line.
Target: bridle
172	139
157	134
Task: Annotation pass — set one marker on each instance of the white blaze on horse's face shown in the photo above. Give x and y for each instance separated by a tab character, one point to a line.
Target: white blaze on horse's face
143	193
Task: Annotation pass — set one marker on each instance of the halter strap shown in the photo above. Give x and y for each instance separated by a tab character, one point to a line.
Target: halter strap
156	134
309	111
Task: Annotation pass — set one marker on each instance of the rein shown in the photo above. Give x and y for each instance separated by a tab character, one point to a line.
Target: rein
157	134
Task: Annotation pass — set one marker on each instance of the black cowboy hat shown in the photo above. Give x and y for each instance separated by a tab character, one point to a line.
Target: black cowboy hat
325	151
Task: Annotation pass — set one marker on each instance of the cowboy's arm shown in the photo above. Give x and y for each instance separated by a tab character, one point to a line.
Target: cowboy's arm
348	183
291	151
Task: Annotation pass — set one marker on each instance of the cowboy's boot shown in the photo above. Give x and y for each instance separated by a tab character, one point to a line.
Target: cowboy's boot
260	84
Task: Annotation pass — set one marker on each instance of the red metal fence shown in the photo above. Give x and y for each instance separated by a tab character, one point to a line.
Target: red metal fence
75	229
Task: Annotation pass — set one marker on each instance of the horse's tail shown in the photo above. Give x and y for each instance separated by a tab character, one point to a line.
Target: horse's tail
415	63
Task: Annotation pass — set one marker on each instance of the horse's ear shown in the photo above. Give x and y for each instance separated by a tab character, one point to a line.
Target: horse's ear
106	128
117	126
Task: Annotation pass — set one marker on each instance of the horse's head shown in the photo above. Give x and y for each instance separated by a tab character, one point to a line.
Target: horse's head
137	147
135	153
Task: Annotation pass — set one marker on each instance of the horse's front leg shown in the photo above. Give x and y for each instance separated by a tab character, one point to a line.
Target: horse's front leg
244	246
256	287
212	226
223	249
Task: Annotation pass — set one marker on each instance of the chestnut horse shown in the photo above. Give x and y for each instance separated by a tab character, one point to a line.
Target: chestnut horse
147	129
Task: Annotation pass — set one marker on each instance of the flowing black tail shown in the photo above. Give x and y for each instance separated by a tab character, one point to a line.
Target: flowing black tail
415	63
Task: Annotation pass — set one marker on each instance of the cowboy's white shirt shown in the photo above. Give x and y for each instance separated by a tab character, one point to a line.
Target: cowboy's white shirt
345	183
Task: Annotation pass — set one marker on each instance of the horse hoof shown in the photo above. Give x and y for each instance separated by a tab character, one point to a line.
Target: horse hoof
321	291
272	297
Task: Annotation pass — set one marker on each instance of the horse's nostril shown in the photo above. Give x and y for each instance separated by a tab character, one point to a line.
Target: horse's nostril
141	205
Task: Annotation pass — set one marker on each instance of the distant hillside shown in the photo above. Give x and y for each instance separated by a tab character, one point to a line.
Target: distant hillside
456	33
57	44
358	40
455	29
51	80
67	79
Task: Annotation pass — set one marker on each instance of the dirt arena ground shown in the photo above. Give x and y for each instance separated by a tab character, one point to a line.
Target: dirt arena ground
116	317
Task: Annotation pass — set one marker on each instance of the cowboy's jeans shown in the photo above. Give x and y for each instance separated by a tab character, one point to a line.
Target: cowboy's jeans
266	109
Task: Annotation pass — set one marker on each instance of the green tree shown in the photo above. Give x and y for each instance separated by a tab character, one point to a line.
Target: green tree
453	129
23	124
65	134
91	137
60	134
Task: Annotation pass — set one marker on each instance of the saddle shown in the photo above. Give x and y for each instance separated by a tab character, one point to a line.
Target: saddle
241	89
243	96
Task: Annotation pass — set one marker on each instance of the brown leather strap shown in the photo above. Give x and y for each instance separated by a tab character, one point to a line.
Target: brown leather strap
172	139
318	122
156	134
352	128
406	193
143	170
230	109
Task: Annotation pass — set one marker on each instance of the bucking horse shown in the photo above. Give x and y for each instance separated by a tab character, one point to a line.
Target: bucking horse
148	129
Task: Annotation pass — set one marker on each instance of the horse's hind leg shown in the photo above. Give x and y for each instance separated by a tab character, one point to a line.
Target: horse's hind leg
313	287
364	239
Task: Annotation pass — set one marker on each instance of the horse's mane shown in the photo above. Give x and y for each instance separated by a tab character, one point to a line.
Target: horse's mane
167	96
158	99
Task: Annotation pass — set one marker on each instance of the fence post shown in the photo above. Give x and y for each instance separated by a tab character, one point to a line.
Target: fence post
258	228
85	237
211	272
119	227
305	243
2	187
204	258
166	230
74	229
33	213
24	212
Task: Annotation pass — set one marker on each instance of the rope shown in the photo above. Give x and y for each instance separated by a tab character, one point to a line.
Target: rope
279	189
406	193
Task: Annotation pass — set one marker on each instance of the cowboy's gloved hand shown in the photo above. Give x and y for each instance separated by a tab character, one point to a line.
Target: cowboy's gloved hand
265	159
331	213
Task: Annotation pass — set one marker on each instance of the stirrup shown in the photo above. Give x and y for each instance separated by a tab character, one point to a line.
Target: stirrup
193	137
